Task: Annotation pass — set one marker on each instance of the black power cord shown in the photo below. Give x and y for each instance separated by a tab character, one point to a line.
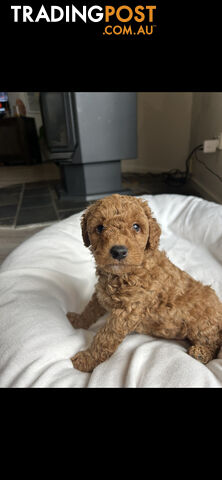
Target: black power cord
174	176
177	177
206	167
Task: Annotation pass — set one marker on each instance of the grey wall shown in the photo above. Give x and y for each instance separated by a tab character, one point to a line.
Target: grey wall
170	125
164	120
206	123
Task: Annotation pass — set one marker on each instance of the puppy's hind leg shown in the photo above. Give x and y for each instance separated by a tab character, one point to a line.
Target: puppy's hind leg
90	314
203	353
206	343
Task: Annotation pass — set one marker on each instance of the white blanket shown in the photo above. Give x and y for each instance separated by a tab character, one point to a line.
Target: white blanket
52	273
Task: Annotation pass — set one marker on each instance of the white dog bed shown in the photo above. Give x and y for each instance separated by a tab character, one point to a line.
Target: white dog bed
52	273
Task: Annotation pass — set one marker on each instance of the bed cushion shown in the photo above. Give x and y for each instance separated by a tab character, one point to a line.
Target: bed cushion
52	273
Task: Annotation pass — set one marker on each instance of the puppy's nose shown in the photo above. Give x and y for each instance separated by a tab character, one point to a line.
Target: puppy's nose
118	252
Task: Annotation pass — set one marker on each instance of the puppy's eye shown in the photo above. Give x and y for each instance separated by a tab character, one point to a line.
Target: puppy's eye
99	228
136	227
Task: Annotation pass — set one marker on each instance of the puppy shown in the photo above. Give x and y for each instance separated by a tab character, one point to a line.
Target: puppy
142	290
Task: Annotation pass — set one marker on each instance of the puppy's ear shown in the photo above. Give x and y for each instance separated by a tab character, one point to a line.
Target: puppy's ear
85	235
154	228
90	211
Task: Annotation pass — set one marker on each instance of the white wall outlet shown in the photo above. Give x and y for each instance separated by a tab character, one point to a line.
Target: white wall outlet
210	146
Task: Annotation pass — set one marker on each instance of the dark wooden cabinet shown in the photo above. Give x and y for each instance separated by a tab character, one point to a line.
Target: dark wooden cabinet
19	143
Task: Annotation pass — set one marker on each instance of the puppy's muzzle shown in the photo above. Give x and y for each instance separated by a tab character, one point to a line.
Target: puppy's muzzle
118	252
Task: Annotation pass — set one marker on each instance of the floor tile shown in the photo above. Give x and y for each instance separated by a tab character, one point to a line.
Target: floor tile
8	211
36	215
63	204
7	221
36	185
10	195
32	192
11	189
9	198
68	213
36	201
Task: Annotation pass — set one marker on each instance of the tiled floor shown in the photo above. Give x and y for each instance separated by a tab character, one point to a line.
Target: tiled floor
147	184
33	203
38	203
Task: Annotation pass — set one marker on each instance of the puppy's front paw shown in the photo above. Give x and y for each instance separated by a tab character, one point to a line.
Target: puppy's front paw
75	319
84	361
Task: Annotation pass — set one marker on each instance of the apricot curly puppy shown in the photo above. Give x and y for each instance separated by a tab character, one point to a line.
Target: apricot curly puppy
140	287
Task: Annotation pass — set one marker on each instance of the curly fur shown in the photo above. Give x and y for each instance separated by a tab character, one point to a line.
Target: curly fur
144	292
